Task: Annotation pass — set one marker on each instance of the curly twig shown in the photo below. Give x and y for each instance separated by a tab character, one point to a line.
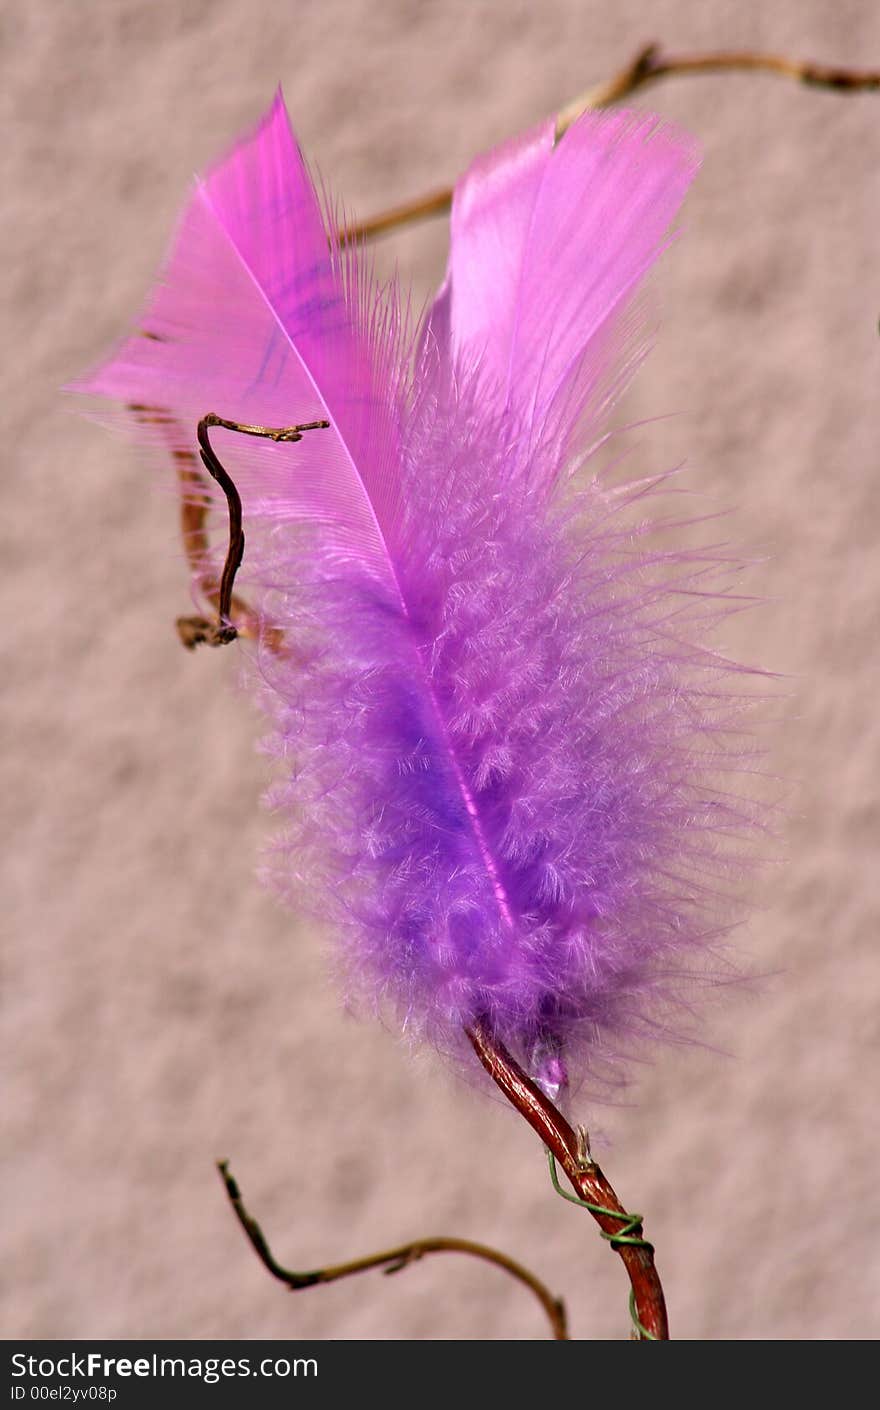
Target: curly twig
195	503
393	1260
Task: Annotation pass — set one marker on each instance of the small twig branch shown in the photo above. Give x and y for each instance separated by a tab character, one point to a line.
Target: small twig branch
235	617
195	504
392	1260
224	629
649	66
590	1185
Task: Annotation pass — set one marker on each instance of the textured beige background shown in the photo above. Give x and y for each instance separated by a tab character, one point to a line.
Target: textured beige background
160	1010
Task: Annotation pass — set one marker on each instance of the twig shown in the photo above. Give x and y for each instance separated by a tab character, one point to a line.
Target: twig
423	208
234	616
393	1260
648	66
195	503
587	1180
194	629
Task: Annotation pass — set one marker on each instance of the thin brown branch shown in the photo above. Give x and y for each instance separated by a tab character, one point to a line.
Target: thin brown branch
234	616
195	503
225	630
587	1180
392	1260
649	66
423	208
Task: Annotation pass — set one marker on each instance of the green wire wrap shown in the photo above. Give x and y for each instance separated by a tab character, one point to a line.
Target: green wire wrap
629	1234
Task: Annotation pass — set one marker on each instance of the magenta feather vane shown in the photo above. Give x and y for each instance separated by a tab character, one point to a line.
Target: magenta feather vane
501	747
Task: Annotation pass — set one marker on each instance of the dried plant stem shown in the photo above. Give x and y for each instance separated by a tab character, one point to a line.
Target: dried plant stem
234	616
195	504
392	1260
649	66
587	1180
224	630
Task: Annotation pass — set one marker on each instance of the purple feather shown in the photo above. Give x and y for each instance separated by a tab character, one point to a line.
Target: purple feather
499	746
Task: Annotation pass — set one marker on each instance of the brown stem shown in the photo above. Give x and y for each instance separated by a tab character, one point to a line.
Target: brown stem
587	1180
393	1259
234	616
225	630
422	208
195	503
648	66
